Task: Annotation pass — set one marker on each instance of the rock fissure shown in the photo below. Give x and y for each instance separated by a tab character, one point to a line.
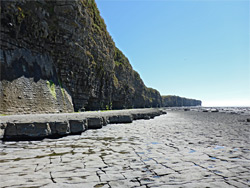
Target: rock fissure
172	146
212	171
98	175
143	162
36	168
51	177
177	171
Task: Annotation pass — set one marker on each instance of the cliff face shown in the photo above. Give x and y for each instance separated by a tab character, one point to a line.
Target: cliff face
130	90
57	56
175	101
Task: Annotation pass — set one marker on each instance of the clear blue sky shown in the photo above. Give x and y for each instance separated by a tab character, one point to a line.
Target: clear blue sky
196	49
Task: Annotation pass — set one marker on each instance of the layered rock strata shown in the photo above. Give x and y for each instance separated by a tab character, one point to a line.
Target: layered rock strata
37	127
176	101
57	56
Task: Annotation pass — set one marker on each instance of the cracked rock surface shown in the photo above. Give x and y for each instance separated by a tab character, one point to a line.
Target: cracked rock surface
180	149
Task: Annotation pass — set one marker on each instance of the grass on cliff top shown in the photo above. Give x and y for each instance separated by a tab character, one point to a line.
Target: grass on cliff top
98	22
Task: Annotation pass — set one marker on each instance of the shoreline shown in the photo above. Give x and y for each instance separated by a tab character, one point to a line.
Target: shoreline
30	127
229	110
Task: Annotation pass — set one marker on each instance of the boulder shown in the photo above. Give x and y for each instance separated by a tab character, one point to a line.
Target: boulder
214	110
163	112
233	113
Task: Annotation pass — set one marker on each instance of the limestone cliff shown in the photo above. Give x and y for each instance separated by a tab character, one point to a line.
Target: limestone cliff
57	56
176	101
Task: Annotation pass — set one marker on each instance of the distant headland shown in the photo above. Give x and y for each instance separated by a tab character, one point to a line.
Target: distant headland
176	101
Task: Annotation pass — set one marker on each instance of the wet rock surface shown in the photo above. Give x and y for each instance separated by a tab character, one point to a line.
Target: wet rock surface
180	149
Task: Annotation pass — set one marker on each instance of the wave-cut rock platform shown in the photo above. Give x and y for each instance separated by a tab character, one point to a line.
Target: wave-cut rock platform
40	126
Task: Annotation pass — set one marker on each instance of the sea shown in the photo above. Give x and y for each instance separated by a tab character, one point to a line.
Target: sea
223	109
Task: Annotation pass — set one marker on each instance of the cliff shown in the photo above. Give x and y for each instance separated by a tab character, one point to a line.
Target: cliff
176	101
57	56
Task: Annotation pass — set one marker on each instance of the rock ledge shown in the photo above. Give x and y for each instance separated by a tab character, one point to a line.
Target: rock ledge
40	126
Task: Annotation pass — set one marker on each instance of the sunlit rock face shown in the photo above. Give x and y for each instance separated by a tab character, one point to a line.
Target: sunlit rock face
176	101
57	56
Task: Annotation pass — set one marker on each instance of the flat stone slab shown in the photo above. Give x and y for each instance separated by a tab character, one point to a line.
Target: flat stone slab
180	149
120	119
60	127
39	126
95	122
77	126
27	130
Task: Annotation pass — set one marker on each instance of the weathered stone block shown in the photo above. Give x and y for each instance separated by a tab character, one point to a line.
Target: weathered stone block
154	114
137	116
121	119
35	129
77	126
52	127
214	110
145	116
62	128
105	121
2	130
95	123
10	130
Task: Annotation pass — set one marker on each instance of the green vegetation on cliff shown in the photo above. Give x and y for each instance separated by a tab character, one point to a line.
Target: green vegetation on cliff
52	88
121	60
